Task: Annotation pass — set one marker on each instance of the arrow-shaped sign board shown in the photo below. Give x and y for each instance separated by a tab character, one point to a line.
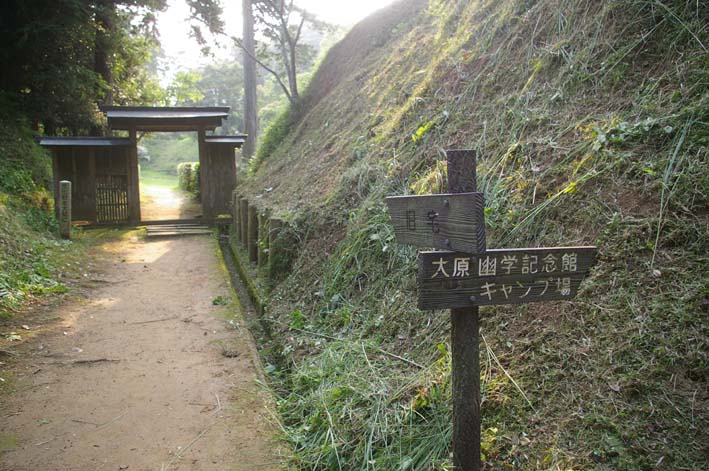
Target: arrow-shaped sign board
501	276
453	221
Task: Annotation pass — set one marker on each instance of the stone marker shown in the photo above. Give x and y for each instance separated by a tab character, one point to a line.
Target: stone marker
65	209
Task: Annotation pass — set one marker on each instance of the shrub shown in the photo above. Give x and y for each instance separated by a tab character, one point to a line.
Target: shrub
188	177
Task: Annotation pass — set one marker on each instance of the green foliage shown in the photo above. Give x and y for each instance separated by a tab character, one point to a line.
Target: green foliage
185	89
422	130
167	150
271	103
188	177
222	84
25	168
134	82
205	13
58	88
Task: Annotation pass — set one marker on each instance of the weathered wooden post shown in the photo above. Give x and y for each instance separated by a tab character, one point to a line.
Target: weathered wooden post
65	209
236	215
244	215
465	341
263	238
274	249
467	275
253	234
453	221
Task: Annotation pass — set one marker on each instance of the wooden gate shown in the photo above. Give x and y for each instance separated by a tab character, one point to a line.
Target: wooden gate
111	199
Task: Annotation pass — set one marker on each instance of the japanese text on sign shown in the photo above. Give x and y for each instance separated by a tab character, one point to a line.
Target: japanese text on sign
501	276
509	264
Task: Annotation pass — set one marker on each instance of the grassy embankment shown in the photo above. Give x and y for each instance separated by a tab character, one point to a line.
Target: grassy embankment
32	258
34	262
591	122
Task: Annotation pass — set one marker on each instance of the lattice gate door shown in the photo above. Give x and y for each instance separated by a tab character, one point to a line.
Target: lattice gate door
111	198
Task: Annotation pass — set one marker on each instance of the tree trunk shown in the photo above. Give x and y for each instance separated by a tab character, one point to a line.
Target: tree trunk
250	106
103	46
288	57
103	49
292	74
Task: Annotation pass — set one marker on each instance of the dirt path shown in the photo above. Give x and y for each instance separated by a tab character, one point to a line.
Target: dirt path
149	374
160	203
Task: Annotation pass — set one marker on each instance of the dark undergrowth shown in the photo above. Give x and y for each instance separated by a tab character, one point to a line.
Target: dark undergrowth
33	259
591	121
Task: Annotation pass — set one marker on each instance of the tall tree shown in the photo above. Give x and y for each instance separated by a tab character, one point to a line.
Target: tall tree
218	84
205	13
67	55
250	105
282	23
103	46
115	29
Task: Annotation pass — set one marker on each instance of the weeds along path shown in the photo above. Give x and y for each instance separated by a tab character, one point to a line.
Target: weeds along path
150	373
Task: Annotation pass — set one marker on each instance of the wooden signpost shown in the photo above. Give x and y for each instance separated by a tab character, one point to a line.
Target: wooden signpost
449	221
473	276
501	276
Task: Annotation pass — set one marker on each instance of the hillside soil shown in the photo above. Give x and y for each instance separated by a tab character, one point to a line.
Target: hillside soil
151	372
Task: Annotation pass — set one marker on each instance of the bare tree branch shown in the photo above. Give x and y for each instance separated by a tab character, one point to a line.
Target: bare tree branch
267	68
283	22
300	29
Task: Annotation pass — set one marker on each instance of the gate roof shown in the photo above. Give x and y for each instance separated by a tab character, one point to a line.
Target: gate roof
84	142
166	118
232	141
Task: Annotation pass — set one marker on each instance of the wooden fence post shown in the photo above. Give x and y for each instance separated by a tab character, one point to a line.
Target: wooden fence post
263	238
236	215
244	215
253	234
465	349
275	247
65	209
274	229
